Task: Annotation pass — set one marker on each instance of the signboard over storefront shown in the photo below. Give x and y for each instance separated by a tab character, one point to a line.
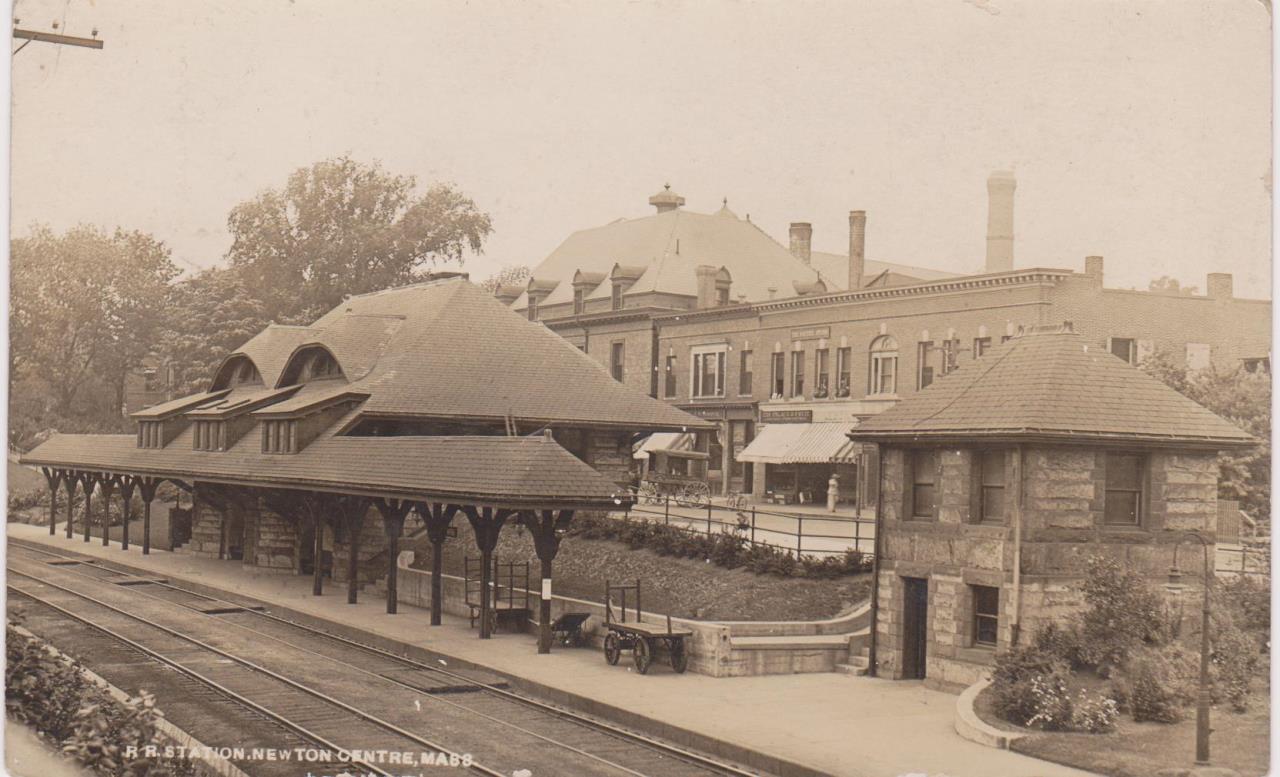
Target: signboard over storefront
786	416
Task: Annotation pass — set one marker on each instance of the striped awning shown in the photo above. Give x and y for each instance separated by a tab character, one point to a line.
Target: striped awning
671	443
816	443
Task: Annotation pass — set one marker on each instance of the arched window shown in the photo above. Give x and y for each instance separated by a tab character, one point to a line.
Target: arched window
884	366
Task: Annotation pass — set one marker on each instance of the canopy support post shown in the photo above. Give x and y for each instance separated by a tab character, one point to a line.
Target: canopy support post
148	487
127	485
353	510
88	482
54	478
543	525
70	482
393	513
108	486
437	518
486	524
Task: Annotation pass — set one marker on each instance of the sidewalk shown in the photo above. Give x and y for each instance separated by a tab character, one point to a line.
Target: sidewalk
836	724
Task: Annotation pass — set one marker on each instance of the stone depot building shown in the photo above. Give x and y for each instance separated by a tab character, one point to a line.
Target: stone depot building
999	481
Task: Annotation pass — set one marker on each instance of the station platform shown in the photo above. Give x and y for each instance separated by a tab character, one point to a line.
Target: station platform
803	724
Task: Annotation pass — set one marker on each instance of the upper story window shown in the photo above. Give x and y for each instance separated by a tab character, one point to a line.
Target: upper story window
922	497
209	436
1125	489
950	356
1126	348
990	485
669	385
924	370
280	436
150	434
745	375
778	376
579	300
980	346
843	371
617	296
532	310
617	360
1260	365
150	379
884	365
708	371
797	373
722	295
821	376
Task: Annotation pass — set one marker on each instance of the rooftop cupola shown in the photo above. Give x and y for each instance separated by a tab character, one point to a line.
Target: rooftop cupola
666	200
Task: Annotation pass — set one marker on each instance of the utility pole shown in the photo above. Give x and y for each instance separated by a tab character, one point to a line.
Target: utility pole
54	37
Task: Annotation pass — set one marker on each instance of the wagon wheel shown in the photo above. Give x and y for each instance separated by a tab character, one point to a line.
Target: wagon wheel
679	658
612	650
642	655
648	492
696	494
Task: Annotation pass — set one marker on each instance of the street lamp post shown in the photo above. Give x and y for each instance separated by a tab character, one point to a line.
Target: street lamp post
1202	696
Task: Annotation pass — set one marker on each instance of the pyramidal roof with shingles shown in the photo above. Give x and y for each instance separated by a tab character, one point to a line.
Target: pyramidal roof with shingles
1052	386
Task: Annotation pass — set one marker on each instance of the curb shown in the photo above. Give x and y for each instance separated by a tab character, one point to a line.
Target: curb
621	716
969	726
214	762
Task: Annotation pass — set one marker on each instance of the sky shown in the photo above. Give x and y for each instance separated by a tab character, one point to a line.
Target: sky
1140	131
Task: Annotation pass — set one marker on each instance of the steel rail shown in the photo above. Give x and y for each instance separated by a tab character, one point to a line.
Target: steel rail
255	667
212	684
651	743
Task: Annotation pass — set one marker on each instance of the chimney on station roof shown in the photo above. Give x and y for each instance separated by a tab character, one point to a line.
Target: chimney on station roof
1000	187
802	241
666	200
857	248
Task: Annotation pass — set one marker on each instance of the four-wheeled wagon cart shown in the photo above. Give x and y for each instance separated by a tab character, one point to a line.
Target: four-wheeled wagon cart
641	638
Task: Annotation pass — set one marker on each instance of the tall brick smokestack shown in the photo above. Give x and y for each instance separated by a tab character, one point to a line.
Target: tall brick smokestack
857	248
1000	187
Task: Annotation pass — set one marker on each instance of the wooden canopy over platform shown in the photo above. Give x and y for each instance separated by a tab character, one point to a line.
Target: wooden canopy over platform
490	480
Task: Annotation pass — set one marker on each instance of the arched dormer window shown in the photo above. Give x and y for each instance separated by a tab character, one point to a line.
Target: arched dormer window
884	366
237	370
311	363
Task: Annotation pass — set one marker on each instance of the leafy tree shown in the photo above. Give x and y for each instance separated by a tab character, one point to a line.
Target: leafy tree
1171	285
509	274
217	315
86	306
343	227
1244	398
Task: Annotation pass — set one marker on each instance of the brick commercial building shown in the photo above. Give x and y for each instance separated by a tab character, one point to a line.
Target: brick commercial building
998	482
709	313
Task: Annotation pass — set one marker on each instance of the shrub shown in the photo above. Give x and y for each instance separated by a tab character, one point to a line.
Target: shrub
1050	702
1094	714
1122	614
727	550
1234	659
1154	688
1011	682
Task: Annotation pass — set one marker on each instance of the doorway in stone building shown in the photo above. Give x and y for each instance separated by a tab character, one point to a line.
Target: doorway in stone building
915	620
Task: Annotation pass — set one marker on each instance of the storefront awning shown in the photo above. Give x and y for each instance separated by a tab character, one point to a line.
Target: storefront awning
816	443
671	443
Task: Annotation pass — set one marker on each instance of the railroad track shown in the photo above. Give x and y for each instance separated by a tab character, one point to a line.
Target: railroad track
563	737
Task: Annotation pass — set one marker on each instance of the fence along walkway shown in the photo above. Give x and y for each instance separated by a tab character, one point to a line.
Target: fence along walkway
802	533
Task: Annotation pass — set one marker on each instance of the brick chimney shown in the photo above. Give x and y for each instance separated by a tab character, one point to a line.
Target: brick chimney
706	285
1000	187
802	241
666	200
1219	285
857	248
1093	268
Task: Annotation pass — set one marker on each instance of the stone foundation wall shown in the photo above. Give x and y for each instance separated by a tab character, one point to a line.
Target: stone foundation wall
275	542
206	530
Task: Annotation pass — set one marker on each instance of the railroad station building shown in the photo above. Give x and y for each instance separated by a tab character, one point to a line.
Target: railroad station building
711	314
999	481
415	403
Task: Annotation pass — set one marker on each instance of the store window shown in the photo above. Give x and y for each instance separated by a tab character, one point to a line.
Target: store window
884	365
1124	491
986	615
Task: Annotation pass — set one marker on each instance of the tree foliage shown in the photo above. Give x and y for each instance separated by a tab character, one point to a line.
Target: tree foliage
1244	398
1171	285
85	307
509	275
343	227
218	314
